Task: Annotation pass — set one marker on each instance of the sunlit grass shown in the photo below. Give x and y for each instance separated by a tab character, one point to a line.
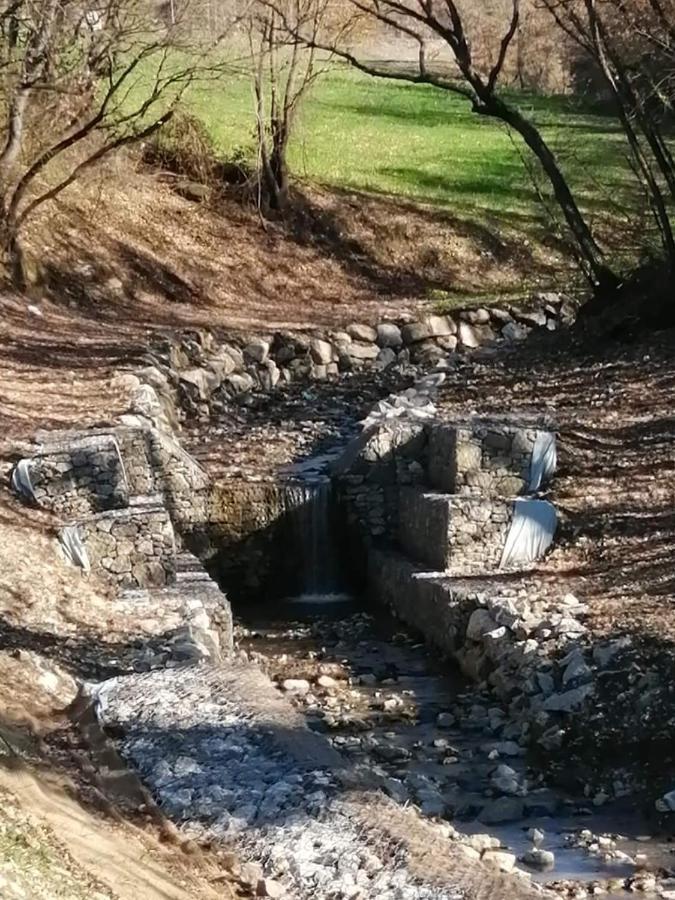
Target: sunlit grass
418	142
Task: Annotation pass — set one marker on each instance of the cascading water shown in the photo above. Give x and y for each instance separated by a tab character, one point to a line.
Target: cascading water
310	512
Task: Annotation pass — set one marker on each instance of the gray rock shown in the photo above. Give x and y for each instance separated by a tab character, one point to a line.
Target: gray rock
502	859
361	351
364	333
238	383
257	350
535	318
385	358
441	326
569	700
416	331
445	720
604	653
296	686
321	351
468	335
478	316
576	668
480	623
389	335
500	316
543	860
512	331
504	809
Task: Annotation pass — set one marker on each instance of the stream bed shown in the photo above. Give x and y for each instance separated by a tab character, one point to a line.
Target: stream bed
391	706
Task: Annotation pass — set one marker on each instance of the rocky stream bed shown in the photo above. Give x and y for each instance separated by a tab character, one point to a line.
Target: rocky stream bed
431	740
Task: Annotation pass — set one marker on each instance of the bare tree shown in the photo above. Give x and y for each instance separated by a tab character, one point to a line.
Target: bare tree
426	20
79	80
283	69
622	37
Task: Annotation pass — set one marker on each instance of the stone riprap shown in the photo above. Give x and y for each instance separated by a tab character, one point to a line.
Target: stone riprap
133	547
226	756
485	458
464	535
529	646
206	370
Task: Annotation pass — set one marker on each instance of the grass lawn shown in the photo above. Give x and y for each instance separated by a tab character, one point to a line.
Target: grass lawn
425	144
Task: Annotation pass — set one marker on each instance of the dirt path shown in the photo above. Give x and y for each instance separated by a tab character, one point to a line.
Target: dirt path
131	864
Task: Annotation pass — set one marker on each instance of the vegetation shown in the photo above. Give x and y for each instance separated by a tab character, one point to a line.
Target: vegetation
417	142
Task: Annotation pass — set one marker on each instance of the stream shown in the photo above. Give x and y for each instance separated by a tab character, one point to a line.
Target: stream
428	737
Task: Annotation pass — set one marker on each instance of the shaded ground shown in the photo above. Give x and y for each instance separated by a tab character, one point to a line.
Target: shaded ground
615	487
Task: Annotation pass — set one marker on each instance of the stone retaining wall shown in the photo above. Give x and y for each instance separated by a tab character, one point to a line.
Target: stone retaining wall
482	458
465	535
133	547
80	477
207	369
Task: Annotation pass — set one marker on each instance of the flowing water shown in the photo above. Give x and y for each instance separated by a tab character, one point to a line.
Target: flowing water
310	508
382	713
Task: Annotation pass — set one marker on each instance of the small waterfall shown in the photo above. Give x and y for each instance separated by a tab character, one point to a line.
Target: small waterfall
309	508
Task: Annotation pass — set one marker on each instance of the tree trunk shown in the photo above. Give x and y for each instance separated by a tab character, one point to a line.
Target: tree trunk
589	252
12	253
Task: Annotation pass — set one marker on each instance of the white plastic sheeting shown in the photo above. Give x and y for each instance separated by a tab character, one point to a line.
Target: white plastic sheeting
544	460
73	547
414	403
22	482
531	533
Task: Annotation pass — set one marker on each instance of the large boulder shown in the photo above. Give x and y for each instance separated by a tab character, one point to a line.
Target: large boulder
389	335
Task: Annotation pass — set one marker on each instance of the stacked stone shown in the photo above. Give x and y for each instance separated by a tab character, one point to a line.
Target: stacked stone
80	478
206	370
482	458
369	475
464	534
134	547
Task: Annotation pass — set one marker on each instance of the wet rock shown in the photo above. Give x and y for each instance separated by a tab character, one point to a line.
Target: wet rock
445	720
504	809
542	860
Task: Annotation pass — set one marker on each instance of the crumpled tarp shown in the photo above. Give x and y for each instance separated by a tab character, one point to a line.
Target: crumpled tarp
544	460
531	533
73	547
22	482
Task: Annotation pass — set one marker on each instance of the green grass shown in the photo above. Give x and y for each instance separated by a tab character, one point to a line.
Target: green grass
425	144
